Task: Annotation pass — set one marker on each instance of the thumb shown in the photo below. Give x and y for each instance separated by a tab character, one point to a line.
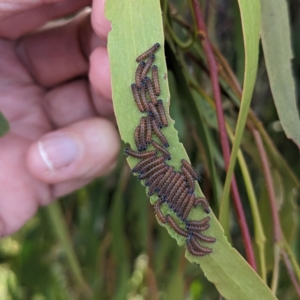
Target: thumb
83	150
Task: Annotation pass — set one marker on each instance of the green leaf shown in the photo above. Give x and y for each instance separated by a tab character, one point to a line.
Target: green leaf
276	42
4	125
250	16
137	25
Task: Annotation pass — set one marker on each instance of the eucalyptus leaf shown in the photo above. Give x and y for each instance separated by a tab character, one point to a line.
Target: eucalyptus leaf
276	41
136	26
250	16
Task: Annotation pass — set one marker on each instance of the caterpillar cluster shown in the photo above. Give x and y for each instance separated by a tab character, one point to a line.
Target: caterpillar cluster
176	189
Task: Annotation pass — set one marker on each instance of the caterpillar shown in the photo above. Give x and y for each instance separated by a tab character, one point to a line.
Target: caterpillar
161	149
140	155
148	52
147	66
138	73
162	113
150	90
137	98
155	80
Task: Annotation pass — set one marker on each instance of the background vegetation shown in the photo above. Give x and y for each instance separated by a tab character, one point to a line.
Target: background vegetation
103	242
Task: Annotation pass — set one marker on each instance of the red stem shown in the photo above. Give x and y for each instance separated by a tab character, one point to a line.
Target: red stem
213	70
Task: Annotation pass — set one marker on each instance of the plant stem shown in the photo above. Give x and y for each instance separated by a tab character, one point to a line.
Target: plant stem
232	80
213	70
291	272
270	186
272	199
292	259
259	235
184	45
275	275
61	232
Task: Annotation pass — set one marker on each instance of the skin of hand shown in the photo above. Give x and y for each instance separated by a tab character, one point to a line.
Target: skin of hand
56	94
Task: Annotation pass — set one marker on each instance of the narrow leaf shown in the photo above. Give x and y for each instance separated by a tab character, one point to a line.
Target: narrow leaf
136	26
250	16
276	41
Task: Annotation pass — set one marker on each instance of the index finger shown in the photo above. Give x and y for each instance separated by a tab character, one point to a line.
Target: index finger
100	24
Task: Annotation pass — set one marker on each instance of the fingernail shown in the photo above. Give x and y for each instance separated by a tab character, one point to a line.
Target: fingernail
58	150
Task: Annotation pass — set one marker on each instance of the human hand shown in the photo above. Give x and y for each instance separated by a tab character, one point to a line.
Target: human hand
60	136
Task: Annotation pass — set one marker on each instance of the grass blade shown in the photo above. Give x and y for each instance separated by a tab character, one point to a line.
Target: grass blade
250	16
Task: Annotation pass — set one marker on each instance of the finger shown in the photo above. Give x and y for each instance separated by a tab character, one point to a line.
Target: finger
22	18
64	188
75	101
20	6
100	24
99	73
57	54
80	151
103	106
69	103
